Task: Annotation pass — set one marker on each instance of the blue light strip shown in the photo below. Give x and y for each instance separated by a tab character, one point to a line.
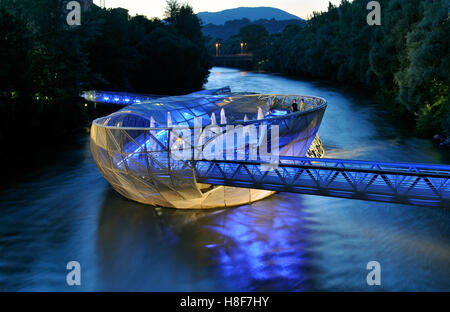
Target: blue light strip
122	98
116	98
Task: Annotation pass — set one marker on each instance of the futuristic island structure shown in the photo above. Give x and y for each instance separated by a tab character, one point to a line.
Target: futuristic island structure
137	149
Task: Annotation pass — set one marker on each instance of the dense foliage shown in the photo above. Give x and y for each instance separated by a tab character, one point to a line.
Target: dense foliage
232	28
255	37
406	60
45	63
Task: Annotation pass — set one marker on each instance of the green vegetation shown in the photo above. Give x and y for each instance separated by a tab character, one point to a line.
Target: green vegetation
255	38
45	63
232	27
405	61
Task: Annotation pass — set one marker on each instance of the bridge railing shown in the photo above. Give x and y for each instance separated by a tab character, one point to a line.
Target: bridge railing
416	184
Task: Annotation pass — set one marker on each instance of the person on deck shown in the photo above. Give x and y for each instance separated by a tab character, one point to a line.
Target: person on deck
302	105
294	106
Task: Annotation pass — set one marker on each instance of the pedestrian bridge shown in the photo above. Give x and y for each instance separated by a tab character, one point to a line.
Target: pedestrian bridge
133	149
244	61
414	184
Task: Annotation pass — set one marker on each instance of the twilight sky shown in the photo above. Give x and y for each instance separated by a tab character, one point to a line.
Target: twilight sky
155	8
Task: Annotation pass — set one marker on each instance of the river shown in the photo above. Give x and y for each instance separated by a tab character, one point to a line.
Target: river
66	211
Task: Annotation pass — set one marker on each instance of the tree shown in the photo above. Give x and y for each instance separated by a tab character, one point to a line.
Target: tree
255	36
183	19
45	63
405	62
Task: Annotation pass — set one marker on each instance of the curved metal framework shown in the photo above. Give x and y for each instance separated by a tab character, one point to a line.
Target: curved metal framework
132	147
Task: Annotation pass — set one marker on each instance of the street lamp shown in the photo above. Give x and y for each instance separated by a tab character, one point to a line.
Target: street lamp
217	48
243	46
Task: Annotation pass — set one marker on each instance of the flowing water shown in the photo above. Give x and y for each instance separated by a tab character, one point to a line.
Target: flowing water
66	211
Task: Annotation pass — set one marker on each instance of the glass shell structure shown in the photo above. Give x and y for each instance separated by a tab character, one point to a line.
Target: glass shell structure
132	147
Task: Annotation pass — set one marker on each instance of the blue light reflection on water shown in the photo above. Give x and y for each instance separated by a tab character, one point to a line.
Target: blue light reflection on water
267	249
248	248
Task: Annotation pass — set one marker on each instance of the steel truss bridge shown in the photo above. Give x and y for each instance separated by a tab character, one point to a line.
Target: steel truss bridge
413	184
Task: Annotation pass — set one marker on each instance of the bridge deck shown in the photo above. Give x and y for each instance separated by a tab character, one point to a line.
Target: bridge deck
416	184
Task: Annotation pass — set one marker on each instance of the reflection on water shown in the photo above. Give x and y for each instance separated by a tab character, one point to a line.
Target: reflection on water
288	242
252	247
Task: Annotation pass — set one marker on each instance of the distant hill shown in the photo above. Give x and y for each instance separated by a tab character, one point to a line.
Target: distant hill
232	28
253	14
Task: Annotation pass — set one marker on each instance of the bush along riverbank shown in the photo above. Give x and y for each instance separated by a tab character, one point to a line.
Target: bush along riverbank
405	61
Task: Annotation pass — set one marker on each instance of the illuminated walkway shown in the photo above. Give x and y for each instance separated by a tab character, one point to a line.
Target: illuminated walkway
415	184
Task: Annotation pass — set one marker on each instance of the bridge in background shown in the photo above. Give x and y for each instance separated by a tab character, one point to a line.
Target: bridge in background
413	184
244	61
